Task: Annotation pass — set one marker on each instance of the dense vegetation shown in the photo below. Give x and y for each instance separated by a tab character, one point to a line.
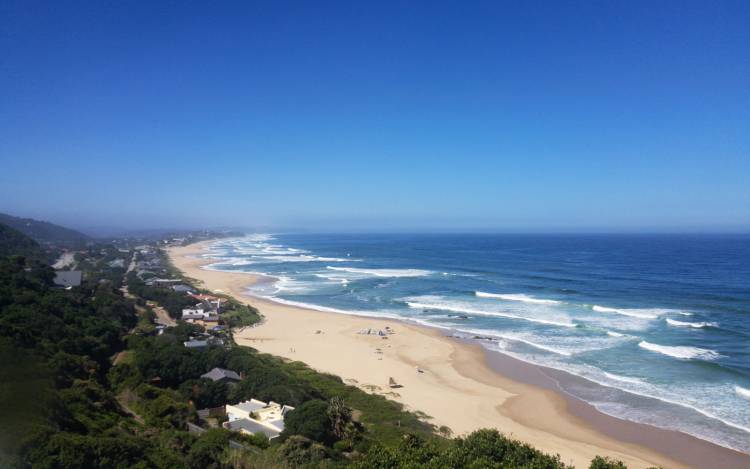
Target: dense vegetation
66	403
13	242
45	232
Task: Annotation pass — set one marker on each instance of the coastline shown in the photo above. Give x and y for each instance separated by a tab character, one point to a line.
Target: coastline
464	386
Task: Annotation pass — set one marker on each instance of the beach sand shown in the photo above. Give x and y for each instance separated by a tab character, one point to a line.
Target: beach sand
462	386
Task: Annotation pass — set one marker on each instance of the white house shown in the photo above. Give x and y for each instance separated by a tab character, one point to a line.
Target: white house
200	315
255	416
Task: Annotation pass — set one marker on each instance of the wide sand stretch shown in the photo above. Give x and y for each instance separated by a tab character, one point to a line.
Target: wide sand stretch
457	386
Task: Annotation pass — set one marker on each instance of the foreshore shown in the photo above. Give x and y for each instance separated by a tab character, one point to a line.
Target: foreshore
456	383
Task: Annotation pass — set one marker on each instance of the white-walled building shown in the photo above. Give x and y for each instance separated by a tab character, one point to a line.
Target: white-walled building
255	416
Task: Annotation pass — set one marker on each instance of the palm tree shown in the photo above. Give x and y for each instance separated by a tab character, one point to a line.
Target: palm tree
340	416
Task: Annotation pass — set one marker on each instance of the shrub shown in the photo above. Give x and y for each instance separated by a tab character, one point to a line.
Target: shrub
606	463
309	420
298	450
206	452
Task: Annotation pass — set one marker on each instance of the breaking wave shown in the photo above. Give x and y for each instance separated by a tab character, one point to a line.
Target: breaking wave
624	379
696	325
383	272
516	297
742	392
682	352
478	312
633	312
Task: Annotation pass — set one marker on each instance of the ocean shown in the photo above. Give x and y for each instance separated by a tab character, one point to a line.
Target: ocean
660	322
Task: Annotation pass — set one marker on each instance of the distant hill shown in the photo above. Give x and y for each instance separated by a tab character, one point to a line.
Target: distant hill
13	242
44	232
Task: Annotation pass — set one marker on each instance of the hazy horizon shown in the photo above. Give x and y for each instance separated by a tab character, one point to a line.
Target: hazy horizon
410	118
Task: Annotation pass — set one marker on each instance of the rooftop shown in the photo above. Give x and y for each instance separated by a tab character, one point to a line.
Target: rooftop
218	374
252	426
250	406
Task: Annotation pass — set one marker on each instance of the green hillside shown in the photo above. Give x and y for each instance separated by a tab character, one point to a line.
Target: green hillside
13	242
44	232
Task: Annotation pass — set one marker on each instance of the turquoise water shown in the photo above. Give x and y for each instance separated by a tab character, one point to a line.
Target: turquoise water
661	322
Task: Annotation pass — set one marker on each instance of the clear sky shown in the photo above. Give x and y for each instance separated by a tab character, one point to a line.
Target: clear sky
507	116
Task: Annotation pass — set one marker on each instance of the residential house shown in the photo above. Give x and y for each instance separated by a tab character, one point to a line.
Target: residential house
255	416
220	374
68	278
199	316
117	263
196	343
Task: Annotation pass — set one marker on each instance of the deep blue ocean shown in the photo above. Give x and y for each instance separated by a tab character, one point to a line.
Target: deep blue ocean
661	322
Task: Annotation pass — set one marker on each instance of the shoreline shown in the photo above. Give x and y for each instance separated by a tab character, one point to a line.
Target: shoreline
463	385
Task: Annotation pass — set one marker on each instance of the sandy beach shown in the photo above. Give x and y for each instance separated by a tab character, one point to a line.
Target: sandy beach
460	385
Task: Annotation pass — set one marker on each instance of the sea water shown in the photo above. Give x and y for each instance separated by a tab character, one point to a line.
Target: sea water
661	323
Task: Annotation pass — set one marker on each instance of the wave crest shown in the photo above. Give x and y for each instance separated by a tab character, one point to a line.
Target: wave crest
500	314
696	325
633	312
383	272
682	352
742	392
516	297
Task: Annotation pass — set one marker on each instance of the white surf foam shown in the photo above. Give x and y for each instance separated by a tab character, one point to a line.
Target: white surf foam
682	352
633	312
641	388
383	272
302	258
373	314
516	338
623	379
696	325
478	312
742	392
242	262
615	334
516	297
539	346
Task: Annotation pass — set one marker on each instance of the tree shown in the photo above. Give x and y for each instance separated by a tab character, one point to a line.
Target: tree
340	416
606	463
207	451
299	450
309	420
445	431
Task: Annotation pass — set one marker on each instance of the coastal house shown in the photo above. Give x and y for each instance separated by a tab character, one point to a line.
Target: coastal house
251	427
196	343
182	288
207	301
200	316
207	321
220	374
255	416
163	282
193	313
68	278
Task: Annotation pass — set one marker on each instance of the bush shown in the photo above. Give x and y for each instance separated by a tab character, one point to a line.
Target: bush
481	449
207	451
298	450
606	463
309	420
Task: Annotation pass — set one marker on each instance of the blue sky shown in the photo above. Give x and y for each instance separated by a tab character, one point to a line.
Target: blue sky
502	116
